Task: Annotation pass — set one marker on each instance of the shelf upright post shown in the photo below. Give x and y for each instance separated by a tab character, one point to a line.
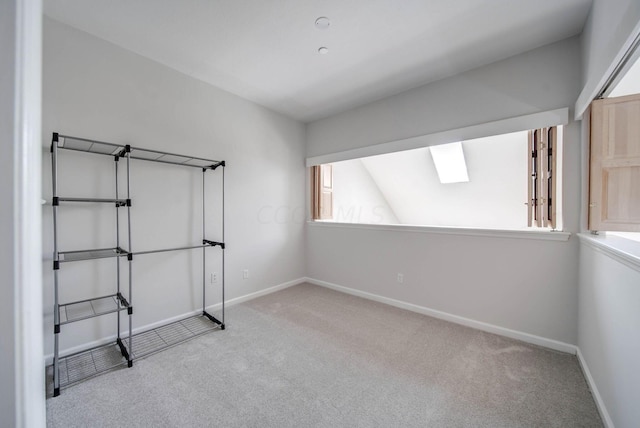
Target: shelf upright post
130	255
224	246
204	236
116	159
56	266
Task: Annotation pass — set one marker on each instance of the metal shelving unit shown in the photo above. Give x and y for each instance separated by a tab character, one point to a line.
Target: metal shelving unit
76	367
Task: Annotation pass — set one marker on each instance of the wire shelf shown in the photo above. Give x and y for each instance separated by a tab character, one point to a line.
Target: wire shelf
168	335
90	308
87	364
100	147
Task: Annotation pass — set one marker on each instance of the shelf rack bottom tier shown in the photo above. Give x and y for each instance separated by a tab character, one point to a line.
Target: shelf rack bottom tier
86	364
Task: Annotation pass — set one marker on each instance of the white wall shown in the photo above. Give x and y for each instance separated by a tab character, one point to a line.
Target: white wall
7	97
502	281
609	292
493	280
493	197
21	373
607	31
608	332
630	83
96	90
356	196
539	80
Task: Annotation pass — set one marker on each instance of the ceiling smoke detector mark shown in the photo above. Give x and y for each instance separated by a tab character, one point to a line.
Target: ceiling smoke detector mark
450	163
323	23
323	50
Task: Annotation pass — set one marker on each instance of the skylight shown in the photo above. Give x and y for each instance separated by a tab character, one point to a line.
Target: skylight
450	163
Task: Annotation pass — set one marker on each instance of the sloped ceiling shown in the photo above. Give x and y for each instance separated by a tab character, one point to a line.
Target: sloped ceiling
630	82
267	51
493	198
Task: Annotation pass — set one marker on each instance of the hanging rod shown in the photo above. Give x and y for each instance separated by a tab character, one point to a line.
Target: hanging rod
164	250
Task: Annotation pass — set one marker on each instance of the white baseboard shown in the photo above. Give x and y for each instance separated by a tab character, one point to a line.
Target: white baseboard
602	409
479	325
48	359
261	293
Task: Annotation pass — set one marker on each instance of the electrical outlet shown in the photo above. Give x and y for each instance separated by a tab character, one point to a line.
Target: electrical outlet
245	274
214	277
400	278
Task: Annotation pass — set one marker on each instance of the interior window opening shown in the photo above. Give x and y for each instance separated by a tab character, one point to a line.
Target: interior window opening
505	182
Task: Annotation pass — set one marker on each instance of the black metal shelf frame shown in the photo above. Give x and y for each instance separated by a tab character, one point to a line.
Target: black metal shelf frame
71	369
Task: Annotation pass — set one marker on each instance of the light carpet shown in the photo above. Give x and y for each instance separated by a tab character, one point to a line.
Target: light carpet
312	357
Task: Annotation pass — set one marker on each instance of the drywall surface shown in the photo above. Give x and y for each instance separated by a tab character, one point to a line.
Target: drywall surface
499	281
539	80
356	196
525	285
496	166
609	322
7	99
630	83
96	90
608	27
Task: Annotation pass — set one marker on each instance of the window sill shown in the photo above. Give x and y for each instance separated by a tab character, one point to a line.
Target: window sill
544	235
620	249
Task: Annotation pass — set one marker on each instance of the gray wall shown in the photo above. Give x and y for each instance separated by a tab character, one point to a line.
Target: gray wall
609	290
501	282
7	97
542	79
96	90
609	325
607	29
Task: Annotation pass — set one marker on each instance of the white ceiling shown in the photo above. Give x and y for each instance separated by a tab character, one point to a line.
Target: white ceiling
267	50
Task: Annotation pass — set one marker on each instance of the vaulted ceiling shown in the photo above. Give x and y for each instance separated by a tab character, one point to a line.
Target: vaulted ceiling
267	51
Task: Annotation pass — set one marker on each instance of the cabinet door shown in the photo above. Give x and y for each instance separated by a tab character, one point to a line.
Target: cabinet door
614	178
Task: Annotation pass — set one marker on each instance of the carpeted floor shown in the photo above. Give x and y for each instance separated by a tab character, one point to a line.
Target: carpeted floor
311	357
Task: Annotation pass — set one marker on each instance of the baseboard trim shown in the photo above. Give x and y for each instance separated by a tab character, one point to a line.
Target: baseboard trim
48	359
479	325
602	409
261	293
